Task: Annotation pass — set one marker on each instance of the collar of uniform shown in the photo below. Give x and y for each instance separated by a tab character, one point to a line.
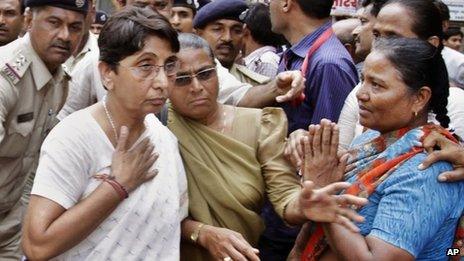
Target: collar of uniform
302	47
256	54
40	72
90	45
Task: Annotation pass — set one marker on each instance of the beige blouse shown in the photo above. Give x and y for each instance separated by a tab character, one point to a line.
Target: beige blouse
229	177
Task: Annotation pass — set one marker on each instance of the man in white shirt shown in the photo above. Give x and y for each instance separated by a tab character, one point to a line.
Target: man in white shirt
77	66
259	42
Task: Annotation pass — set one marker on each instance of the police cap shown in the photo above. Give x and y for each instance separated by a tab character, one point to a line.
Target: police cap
219	9
186	3
81	6
100	17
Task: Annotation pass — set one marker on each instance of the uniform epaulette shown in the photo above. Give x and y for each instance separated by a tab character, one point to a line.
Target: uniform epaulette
260	79
15	69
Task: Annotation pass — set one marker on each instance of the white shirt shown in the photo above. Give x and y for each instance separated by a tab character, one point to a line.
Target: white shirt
350	127
454	61
264	61
90	46
456	110
231	90
86	87
348	122
145	226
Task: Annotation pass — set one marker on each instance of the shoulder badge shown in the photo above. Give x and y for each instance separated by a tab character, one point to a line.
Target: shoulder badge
260	79
80	3
15	69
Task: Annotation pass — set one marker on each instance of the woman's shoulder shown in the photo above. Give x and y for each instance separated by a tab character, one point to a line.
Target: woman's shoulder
435	169
409	173
268	118
365	137
73	126
76	134
159	129
266	113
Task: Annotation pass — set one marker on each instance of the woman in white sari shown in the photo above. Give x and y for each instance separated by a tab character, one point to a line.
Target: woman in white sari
103	192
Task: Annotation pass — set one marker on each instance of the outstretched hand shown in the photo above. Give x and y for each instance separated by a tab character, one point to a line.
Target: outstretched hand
324	205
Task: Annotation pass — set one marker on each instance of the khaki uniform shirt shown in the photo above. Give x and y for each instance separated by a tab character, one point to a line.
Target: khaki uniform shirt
30	98
246	75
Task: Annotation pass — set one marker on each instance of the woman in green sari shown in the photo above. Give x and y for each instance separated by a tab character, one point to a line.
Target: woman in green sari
233	158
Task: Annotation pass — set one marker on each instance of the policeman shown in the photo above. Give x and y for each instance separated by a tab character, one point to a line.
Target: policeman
219	23
100	20
183	12
87	46
33	88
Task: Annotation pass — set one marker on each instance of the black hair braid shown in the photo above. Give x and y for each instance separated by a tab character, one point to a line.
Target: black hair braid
439	79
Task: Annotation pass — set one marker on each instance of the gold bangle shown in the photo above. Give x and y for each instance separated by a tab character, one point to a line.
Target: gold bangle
196	233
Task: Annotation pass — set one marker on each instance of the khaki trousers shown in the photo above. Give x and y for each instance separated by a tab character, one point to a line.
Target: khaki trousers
10	233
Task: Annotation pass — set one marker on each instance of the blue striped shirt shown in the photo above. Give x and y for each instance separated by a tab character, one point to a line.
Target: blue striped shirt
329	79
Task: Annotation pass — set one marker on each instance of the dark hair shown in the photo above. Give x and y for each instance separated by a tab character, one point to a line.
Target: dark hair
376	6
365	3
125	32
444	10
452	31
22	6
316	8
425	16
419	64
193	41
258	21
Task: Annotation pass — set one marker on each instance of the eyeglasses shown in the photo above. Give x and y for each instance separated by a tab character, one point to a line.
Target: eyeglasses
203	76
149	72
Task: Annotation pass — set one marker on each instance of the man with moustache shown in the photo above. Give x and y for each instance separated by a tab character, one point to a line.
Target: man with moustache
11	20
83	68
33	88
219	24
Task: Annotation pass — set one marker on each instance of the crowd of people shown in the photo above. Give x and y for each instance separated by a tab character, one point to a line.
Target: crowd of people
230	130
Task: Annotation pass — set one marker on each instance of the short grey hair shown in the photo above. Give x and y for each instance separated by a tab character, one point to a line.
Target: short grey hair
193	41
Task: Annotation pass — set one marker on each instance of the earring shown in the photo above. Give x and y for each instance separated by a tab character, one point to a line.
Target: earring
415	114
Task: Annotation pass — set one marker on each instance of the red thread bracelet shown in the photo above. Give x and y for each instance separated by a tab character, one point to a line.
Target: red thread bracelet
118	187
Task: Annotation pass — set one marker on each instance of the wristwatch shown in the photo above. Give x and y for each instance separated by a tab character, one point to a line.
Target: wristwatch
196	233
